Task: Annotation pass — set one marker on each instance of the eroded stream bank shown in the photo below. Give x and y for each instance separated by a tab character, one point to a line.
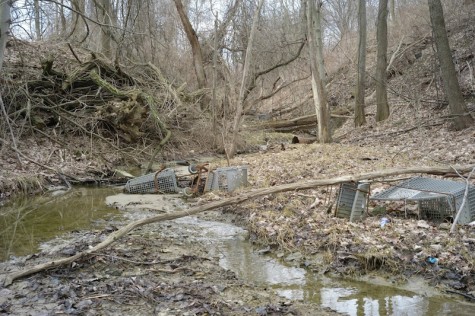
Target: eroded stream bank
196	265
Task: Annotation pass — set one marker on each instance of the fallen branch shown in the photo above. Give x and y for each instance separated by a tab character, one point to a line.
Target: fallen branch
302	185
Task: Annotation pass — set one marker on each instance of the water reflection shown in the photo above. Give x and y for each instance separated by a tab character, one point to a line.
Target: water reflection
348	297
26	222
238	256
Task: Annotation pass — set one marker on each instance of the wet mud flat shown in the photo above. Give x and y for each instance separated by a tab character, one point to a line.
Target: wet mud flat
163	268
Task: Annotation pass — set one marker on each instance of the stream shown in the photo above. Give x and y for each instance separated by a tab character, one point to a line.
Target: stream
27	223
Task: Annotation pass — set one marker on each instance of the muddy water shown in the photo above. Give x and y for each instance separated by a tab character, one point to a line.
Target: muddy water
26	223
350	297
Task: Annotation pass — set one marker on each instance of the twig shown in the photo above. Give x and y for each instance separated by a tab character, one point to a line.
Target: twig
36	162
470	297
7	121
393	57
74	53
167	270
126	260
315	203
49	137
84	129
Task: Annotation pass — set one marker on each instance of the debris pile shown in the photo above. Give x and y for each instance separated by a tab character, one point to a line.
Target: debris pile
190	180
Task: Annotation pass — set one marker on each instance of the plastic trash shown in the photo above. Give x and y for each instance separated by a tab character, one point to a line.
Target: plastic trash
384	221
432	260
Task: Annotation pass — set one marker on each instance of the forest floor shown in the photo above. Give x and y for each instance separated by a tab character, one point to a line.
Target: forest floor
130	277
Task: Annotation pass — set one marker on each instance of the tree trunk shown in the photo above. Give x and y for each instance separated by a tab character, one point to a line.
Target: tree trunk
37	20
382	107
244	82
80	29
314	36
61	23
458	109
5	21
360	118
392	8
195	45
214	101
106	19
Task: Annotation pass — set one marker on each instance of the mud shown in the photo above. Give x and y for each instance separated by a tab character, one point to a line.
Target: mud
158	269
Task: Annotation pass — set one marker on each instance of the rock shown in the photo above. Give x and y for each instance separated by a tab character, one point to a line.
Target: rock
58	193
83	304
436	247
417	248
5	293
423	224
444	226
264	250
70	251
123	173
296	256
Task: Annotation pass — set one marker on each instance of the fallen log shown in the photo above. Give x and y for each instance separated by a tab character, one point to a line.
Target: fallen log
245	196
298	123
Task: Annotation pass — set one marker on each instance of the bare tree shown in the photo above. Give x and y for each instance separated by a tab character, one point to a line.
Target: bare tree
360	84
195	45
62	18
5	20
37	19
244	82
382	107
392	10
106	29
80	28
461	116
314	38
340	17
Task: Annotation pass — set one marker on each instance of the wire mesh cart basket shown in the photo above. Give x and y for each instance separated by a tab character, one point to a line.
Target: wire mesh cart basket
352	200
437	199
163	181
226	178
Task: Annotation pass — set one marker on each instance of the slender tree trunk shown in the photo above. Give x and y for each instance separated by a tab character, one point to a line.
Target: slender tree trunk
195	45
360	84
106	35
5	21
37	20
214	102
80	30
244	82
317	24
62	18
392	8
382	107
314	35
458	109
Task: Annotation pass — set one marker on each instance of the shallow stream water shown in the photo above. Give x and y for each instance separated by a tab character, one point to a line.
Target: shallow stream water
26	223
350	297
